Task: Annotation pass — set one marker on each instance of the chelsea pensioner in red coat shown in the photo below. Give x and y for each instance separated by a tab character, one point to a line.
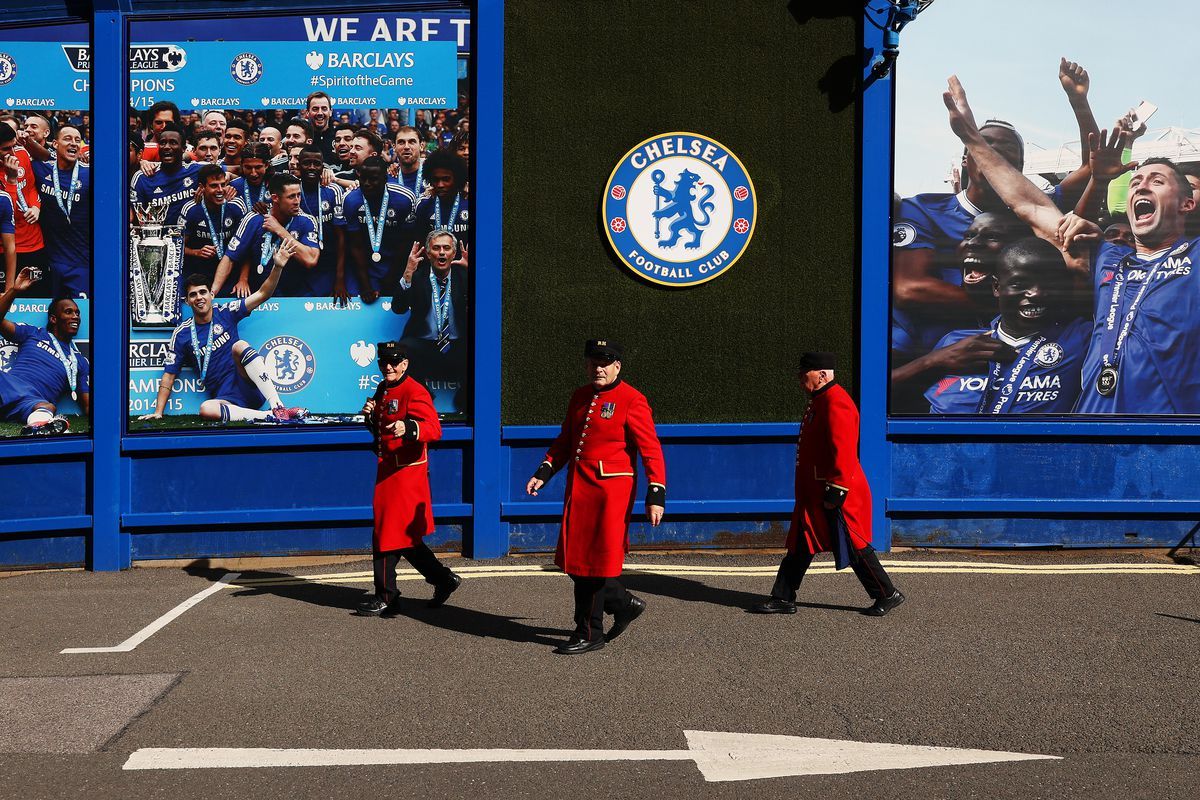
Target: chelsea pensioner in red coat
608	423
404	421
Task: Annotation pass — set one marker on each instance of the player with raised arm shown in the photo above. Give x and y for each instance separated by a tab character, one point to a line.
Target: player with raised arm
251	247
235	378
47	365
1144	352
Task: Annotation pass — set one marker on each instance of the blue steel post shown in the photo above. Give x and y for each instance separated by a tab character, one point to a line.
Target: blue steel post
874	232
489	538
109	548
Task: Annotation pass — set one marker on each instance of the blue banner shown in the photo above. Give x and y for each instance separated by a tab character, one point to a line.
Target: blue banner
424	26
44	75
262	74
320	356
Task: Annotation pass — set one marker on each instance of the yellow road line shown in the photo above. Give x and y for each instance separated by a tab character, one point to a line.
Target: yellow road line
684	570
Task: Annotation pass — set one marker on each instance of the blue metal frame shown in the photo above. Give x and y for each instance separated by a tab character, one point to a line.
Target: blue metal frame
110	545
875	192
489	537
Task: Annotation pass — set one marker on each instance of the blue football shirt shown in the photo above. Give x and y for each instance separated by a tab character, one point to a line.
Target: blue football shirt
1159	362
935	222
36	372
68	239
395	234
246	246
1047	382
222	380
172	189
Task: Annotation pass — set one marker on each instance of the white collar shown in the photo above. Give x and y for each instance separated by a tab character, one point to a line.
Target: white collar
1009	340
967	205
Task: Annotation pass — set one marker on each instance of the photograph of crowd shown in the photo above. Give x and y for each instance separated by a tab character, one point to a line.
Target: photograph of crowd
351	206
1048	268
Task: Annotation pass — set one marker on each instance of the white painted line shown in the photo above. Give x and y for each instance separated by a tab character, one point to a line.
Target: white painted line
158	624
718	756
258	757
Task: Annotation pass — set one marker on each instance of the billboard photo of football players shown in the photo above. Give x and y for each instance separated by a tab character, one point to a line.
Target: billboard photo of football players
1001	139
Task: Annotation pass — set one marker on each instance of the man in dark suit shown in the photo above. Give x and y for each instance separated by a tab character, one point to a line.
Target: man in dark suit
434	289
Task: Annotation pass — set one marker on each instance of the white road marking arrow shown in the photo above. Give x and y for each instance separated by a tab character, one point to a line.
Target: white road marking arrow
719	756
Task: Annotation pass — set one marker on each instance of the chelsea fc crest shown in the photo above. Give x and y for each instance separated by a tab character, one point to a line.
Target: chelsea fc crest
246	68
679	209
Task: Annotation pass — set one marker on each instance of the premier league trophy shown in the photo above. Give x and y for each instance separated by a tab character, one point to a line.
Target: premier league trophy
155	264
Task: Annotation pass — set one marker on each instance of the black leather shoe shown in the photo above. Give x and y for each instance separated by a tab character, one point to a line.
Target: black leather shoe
625	616
442	591
773	606
371	608
577	646
884	605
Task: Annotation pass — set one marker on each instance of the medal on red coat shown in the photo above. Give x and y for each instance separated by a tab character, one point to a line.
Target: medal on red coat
393	406
607	410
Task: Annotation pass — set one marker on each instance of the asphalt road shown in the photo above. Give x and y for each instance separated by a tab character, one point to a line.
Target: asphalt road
1095	667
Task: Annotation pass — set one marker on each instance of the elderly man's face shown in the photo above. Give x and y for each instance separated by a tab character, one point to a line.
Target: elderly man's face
602	372
814	379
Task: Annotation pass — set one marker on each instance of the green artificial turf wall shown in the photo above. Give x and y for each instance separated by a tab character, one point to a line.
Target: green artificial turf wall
584	83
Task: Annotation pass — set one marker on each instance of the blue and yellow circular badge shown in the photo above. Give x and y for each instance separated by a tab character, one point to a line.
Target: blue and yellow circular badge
679	209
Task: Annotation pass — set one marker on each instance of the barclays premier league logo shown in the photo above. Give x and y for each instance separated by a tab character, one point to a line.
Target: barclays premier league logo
290	361
679	209
246	68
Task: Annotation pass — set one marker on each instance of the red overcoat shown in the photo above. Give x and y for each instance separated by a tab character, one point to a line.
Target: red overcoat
403	506
599	438
828	453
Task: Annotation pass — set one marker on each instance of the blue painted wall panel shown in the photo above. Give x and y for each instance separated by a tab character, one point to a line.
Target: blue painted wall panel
695	471
1042	470
1038	532
208	481
50	487
37	551
284	542
540	537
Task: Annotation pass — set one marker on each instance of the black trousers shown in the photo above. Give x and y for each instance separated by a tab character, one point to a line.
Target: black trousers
423	561
864	562
593	598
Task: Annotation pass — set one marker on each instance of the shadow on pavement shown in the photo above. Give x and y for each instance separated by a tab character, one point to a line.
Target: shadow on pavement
481	623
696	592
449	617
1173	616
328	595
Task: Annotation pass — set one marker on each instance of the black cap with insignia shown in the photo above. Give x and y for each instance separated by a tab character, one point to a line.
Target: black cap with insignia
391	352
817	360
602	349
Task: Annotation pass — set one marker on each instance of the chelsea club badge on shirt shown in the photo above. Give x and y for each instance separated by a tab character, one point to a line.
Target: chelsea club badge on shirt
679	209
